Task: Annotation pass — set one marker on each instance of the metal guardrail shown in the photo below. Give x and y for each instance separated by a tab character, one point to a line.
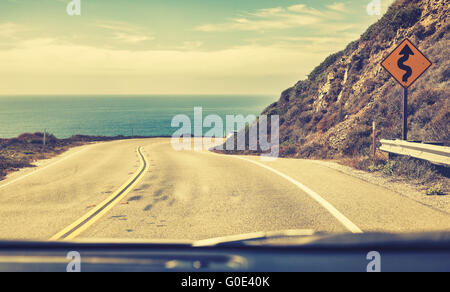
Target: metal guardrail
435	154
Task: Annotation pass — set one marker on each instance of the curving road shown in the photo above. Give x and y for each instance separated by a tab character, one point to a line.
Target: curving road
197	195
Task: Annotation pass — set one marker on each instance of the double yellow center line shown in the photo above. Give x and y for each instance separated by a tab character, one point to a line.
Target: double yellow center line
82	224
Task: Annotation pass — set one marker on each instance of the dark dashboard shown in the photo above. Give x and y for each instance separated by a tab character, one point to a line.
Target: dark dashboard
337	253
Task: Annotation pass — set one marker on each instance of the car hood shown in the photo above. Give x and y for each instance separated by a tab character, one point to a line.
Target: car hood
285	238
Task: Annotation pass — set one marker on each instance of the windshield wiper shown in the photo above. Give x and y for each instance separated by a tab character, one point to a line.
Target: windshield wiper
246	239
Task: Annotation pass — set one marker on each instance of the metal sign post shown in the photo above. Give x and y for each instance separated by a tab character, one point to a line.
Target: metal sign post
405	115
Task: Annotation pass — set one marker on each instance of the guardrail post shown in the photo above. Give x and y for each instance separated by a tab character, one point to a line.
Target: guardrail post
374	134
44	142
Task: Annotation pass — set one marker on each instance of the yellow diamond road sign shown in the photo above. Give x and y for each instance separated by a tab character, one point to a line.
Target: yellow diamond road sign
406	63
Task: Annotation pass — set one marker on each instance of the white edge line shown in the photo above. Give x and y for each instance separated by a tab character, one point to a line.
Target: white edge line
324	203
41	169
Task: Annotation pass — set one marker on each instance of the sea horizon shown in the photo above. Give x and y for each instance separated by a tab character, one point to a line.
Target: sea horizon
115	115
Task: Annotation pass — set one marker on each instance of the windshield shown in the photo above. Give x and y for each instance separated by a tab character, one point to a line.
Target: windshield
221	121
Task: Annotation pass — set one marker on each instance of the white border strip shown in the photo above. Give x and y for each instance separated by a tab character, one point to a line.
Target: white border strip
41	169
330	208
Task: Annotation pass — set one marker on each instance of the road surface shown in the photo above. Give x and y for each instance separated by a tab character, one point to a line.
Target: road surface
194	195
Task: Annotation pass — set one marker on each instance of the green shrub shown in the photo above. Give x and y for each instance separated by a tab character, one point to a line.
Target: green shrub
388	168
376	167
406	17
398	16
320	70
437	189
287	143
291	150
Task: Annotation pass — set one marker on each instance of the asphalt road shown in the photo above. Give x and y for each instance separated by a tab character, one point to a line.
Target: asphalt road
197	195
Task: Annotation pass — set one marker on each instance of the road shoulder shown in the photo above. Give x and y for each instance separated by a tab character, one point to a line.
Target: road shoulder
401	187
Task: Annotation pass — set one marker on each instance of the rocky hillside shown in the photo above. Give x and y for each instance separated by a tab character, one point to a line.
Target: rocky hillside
330	114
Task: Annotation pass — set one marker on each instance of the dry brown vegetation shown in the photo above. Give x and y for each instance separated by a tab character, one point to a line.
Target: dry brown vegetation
21	152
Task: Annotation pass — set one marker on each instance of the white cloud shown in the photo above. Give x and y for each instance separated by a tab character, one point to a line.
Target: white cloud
302	8
267	12
126	32
37	54
191	45
275	19
386	3
10	30
132	38
297	8
261	24
340	7
320	41
117	26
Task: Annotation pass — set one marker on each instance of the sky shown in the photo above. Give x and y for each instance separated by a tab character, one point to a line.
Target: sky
171	46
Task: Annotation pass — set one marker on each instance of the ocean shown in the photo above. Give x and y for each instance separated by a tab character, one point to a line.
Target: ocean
65	116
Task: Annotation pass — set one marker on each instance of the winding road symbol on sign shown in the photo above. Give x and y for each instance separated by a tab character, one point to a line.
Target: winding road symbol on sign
406	52
406	63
